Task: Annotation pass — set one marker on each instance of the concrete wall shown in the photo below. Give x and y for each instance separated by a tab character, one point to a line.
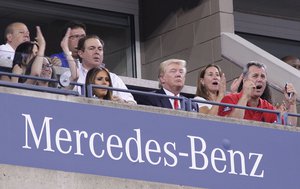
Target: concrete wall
188	30
14	177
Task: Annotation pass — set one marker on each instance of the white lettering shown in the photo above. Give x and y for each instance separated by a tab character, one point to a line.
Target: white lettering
214	158
78	141
135	150
137	142
37	140
110	146
156	150
256	164
58	139
172	155
91	143
232	162
201	152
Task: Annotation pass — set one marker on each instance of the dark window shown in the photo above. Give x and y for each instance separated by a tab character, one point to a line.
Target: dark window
116	29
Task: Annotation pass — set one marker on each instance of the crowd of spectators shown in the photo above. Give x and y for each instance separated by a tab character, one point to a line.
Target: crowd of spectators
83	55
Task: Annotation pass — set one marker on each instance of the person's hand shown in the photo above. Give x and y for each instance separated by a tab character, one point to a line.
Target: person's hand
281	107
117	99
39	37
290	94
248	88
65	42
18	70
236	83
56	61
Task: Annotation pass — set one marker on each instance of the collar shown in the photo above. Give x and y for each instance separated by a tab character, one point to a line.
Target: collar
169	93
9	47
82	69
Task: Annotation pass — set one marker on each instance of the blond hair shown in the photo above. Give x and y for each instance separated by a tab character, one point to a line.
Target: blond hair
164	64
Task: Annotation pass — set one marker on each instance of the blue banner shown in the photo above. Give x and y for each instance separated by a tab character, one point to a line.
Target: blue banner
133	144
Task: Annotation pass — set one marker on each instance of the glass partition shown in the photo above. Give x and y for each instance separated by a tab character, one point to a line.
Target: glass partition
116	29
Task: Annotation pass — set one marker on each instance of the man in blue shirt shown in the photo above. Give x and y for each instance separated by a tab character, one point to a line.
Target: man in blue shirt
78	31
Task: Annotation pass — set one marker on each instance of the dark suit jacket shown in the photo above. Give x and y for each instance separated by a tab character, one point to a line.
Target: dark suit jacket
161	101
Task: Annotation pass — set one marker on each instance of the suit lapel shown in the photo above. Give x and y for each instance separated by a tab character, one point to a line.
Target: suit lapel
164	102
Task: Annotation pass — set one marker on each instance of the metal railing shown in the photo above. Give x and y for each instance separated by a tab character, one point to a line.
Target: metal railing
186	103
36	87
182	99
278	113
286	115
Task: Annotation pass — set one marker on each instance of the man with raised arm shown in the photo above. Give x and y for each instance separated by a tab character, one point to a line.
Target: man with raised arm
254	84
77	31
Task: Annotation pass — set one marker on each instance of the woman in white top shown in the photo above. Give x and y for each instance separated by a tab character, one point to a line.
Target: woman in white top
211	87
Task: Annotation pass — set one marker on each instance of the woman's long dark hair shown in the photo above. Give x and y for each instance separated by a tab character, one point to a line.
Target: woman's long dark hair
22	53
90	79
201	89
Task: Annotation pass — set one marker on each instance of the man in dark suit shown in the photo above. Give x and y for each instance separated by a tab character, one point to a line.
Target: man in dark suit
171	81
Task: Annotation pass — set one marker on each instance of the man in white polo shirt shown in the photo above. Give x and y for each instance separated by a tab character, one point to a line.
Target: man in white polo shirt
14	34
90	51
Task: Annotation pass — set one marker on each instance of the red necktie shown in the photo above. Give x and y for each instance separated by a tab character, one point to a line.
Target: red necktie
176	105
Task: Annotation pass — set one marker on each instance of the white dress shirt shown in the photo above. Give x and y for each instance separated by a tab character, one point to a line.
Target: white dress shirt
116	83
7	54
209	106
172	99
